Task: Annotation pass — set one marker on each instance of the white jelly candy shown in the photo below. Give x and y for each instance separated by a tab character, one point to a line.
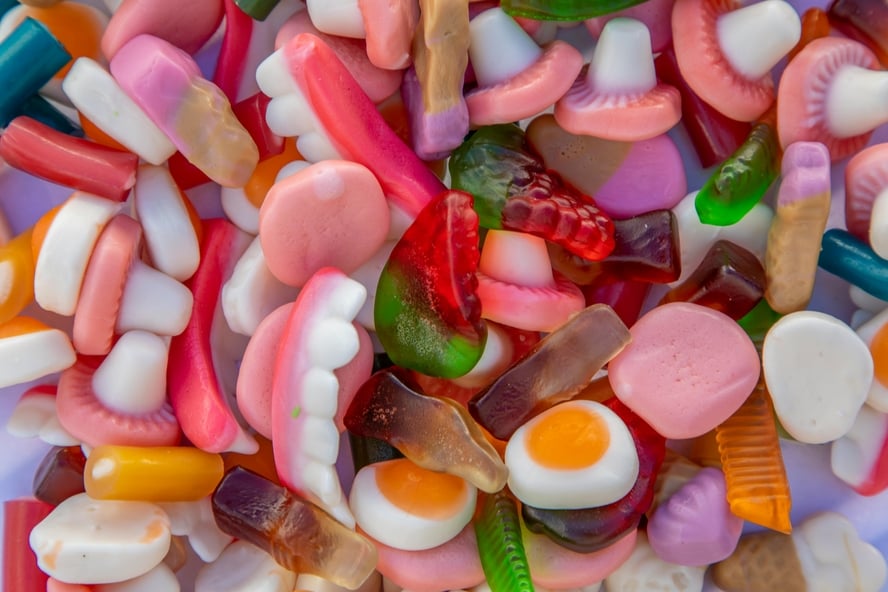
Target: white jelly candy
159	579
818	372
87	541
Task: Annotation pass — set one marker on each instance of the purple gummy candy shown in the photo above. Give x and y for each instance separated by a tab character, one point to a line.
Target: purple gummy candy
695	526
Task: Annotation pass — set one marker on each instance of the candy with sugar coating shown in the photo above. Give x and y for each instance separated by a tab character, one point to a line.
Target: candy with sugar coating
687	369
89	541
818	372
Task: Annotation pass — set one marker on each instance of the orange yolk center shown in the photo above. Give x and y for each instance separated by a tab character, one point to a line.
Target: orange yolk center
568	439
879	350
418	491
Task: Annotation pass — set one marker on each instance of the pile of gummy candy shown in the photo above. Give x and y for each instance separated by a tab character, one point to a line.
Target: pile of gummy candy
389	295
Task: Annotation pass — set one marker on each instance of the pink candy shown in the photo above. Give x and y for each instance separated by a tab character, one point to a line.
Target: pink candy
687	369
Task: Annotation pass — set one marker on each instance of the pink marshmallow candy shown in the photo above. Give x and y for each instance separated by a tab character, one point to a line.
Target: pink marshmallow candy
687	369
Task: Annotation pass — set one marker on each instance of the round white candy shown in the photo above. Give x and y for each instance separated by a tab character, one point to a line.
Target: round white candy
818	372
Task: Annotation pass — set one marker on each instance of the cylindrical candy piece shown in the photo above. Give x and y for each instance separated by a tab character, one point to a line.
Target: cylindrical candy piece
40	150
157	474
31	57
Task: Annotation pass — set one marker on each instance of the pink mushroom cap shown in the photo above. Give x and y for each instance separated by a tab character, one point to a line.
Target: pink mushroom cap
706	69
529	92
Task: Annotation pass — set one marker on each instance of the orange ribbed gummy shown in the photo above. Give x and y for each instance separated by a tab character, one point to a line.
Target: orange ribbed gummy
17	272
749	446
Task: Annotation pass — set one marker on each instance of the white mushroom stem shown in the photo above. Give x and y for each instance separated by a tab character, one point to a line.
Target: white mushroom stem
857	101
499	48
132	379
153	301
337	17
623	61
754	38
516	258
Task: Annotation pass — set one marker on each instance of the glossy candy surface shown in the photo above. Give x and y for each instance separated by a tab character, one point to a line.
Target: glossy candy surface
500	546
564	10
435	433
742	180
299	535
535	382
435	305
512	190
730	280
591	529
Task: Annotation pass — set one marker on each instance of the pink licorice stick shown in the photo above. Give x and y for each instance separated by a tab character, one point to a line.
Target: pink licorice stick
355	127
198	400
233	53
40	150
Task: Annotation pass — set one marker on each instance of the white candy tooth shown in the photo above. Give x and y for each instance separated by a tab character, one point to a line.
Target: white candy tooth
132	379
316	146
273	76
291	168
321	389
333	343
289	115
320	439
252	291
855	454
349	298
368	276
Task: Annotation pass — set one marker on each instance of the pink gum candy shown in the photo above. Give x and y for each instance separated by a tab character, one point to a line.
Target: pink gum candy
687	369
706	69
556	567
390	26
378	83
330	214
866	176
355	127
103	285
804	91
89	420
194	23
255	378
451	566
195	391
529	92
